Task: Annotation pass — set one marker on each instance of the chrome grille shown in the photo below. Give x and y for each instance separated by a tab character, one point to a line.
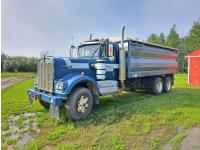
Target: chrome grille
45	74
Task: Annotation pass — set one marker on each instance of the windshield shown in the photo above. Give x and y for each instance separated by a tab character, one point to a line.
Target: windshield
89	51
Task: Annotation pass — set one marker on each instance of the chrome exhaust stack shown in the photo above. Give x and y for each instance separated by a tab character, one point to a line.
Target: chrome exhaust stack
122	63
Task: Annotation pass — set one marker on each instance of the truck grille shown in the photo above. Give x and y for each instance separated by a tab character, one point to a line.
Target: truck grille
45	74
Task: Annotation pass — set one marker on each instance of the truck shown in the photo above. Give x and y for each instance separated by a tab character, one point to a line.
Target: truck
102	66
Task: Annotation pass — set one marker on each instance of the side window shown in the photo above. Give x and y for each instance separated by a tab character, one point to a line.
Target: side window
107	51
104	51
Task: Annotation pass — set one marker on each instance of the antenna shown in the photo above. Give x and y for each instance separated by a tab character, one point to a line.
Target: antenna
90	37
71	48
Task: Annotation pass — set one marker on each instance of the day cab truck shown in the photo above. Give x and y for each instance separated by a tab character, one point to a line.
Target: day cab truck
105	66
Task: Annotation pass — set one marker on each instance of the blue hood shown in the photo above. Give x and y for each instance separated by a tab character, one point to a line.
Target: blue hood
64	66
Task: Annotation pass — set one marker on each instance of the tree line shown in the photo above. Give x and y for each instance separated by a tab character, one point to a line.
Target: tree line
185	44
18	63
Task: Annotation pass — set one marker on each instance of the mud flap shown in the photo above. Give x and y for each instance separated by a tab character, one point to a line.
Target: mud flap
30	100
54	111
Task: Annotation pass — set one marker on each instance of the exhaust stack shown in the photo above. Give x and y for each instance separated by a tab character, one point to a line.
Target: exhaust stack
122	64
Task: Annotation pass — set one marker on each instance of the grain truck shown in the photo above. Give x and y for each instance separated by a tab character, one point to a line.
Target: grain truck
103	66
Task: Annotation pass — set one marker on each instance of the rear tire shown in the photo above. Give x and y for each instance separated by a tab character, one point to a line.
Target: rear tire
44	104
168	84
157	88
79	104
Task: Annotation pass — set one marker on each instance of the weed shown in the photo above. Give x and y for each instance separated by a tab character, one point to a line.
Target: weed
177	140
34	145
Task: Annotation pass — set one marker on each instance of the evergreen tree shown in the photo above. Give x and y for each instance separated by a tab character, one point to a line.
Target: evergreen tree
153	38
173	38
161	39
193	40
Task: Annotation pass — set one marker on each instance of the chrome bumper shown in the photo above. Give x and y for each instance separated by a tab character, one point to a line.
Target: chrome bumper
54	101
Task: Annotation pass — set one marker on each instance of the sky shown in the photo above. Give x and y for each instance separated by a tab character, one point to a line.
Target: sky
29	27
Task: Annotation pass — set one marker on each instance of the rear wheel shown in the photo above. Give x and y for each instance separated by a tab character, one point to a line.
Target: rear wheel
168	84
157	88
79	104
44	104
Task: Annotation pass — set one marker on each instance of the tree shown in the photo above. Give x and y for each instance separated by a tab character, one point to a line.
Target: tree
193	39
173	38
18	63
161	39
3	61
153	38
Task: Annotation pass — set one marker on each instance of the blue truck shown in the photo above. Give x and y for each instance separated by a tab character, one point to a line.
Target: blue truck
103	66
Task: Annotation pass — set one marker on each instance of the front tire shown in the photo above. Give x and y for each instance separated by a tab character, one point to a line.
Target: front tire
79	104
157	88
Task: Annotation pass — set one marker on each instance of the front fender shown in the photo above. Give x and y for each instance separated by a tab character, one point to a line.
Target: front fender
71	80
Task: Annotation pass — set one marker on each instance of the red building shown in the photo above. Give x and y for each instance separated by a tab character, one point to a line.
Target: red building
194	68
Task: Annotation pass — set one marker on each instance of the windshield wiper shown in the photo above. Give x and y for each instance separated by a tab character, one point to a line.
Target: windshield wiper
95	51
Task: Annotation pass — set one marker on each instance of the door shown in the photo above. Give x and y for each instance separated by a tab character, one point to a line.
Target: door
109	53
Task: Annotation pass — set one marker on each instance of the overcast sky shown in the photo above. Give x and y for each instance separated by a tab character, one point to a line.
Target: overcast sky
32	26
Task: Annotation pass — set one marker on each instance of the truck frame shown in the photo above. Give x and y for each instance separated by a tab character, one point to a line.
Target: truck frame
103	66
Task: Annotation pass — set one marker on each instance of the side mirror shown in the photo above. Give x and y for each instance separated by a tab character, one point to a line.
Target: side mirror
72	51
73	47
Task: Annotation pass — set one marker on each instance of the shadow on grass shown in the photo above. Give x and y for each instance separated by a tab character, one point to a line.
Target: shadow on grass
115	108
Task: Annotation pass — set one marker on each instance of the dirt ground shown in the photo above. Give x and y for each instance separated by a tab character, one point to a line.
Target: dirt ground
7	82
192	140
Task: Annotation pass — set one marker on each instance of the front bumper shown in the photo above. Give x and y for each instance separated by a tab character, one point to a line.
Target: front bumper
51	99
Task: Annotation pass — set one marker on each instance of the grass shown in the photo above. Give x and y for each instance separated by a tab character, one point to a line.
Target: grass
13	74
177	140
123	121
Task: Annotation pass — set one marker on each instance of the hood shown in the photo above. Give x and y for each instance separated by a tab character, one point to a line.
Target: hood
65	65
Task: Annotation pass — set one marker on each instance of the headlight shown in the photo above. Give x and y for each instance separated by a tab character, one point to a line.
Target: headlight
59	85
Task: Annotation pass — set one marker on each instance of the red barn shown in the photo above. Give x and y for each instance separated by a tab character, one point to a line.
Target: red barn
194	68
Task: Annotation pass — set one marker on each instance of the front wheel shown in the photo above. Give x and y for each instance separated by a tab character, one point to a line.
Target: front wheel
79	104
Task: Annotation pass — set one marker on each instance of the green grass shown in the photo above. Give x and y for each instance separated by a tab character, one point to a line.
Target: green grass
14	74
177	140
123	121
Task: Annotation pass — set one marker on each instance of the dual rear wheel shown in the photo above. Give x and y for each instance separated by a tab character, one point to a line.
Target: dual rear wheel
160	85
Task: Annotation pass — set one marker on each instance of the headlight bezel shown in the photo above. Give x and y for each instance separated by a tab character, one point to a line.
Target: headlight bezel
59	86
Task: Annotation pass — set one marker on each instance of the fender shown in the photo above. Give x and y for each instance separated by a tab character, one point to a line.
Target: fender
72	79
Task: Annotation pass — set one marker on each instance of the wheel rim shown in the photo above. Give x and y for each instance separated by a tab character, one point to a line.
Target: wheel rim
82	104
159	86
168	84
